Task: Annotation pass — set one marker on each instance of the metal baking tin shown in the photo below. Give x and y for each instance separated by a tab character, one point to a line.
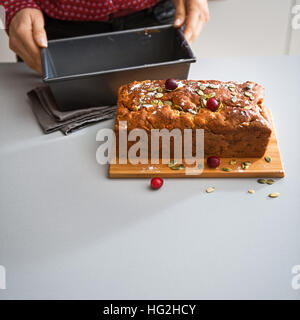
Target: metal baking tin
87	71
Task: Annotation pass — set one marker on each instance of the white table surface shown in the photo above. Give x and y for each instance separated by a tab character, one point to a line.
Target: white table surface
67	231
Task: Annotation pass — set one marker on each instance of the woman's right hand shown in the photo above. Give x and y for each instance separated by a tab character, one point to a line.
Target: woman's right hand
27	35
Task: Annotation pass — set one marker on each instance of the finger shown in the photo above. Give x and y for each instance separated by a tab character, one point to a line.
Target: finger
31	51
179	13
197	31
38	31
192	21
18	47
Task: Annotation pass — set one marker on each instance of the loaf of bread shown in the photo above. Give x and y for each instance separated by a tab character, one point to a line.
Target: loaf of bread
239	127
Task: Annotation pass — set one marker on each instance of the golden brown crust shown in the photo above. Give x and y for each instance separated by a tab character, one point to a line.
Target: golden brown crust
239	128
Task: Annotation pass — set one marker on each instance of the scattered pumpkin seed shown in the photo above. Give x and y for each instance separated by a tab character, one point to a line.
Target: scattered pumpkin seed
151	89
234	99
200	92
159	95
248	107
252	98
231	85
226	169
172	163
232	162
246	165
232	89
262	181
135	108
233	93
251	191
268	159
274	195
177	166
202	87
192	82
270	181
160	90
249	86
210	189
168	102
155	101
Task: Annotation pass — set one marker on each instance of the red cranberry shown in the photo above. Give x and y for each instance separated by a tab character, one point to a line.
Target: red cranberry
156	183
171	84
213	161
212	104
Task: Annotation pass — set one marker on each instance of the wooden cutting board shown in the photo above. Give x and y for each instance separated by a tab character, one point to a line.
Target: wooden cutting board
258	168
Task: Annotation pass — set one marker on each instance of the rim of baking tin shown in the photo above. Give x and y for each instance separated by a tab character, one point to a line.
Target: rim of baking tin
96	73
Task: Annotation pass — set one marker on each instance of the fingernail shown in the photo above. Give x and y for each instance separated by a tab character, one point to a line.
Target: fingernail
177	22
44	43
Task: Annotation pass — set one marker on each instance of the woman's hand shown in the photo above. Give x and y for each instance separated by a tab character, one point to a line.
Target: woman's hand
194	13
27	35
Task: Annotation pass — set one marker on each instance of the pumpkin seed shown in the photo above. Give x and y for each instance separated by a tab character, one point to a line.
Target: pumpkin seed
192	111
210	95
172	163
270	181
203	102
155	101
210	189
192	82
213	86
234	99
151	89
220	106
174	166
226	169
168	102
274	195
159	95
246	165
252	98
247	107
251	191
177	107
268	159
249	86
160	90
232	89
232	162
262	181
200	92
202	87
247	94
135	108
231	85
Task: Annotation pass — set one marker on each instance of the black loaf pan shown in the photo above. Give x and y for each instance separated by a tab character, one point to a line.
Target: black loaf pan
87	71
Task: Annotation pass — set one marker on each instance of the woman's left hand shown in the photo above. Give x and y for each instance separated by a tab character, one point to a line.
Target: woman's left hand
194	13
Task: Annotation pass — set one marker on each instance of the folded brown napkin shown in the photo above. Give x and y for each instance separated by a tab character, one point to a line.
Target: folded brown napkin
51	119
